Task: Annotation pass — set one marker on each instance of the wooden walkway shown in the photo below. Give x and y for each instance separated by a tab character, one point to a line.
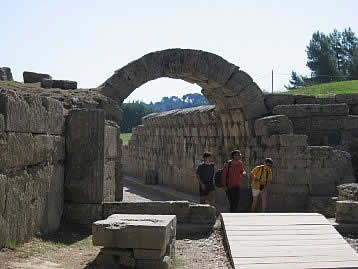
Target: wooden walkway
285	240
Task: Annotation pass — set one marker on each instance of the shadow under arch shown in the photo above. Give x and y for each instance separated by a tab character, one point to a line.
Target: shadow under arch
236	96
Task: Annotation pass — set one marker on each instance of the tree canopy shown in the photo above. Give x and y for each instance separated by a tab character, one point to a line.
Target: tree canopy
330	58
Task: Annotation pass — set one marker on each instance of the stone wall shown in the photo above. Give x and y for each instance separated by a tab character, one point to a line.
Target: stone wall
32	152
326	121
93	161
172	143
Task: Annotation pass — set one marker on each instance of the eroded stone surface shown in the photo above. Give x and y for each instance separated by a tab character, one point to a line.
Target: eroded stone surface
347	211
5	74
134	231
31	114
32	77
348	192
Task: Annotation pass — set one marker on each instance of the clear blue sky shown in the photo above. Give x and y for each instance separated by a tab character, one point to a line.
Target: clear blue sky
87	40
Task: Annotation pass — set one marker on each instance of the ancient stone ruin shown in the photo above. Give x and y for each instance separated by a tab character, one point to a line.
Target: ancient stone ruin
136	241
61	156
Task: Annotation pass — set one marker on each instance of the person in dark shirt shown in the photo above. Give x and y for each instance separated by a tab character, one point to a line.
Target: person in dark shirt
205	175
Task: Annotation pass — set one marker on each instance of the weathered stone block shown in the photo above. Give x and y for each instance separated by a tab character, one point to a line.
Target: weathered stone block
310	110
348	192
114	260
64	84
23	149
178	208
305	99
84	214
134	231
273	125
203	214
109	181
163	263
353	109
325	205
31	114
272	100
292	140
46	83
119	182
2	123
110	140
36	193
151	177
5	74
32	77
149	254
349	99
347	211
322	181
84	181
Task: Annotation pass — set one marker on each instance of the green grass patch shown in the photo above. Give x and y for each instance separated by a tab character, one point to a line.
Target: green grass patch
178	262
11	244
8	83
125	138
328	89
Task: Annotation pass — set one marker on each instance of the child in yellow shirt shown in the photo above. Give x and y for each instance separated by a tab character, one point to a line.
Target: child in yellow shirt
261	176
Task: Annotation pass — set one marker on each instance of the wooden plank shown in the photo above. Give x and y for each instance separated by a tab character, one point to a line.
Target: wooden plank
277	232
268	214
284	237
313	220
313	265
278	260
293	240
274	252
291	243
237	227
284	249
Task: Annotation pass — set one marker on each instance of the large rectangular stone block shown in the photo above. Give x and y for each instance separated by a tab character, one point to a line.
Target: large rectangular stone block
31	114
178	208
273	125
202	214
24	149
2	123
134	231
84	181
110	140
31	201
84	214
347	211
109	179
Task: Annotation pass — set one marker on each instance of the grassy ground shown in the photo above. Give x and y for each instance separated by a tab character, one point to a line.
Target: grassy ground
327	89
126	137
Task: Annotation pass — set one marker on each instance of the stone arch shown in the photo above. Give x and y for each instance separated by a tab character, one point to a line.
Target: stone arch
230	88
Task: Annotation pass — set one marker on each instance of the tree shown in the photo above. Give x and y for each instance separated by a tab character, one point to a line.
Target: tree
297	81
131	115
322	58
354	66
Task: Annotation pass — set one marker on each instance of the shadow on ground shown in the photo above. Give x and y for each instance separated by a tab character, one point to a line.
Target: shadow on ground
67	234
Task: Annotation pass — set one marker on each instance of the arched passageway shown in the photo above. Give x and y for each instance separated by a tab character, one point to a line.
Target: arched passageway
230	88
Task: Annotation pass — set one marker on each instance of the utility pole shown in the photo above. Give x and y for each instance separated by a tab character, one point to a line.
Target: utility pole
272	81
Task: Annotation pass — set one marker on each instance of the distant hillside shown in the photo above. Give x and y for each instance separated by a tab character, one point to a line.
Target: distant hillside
175	102
132	113
325	89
